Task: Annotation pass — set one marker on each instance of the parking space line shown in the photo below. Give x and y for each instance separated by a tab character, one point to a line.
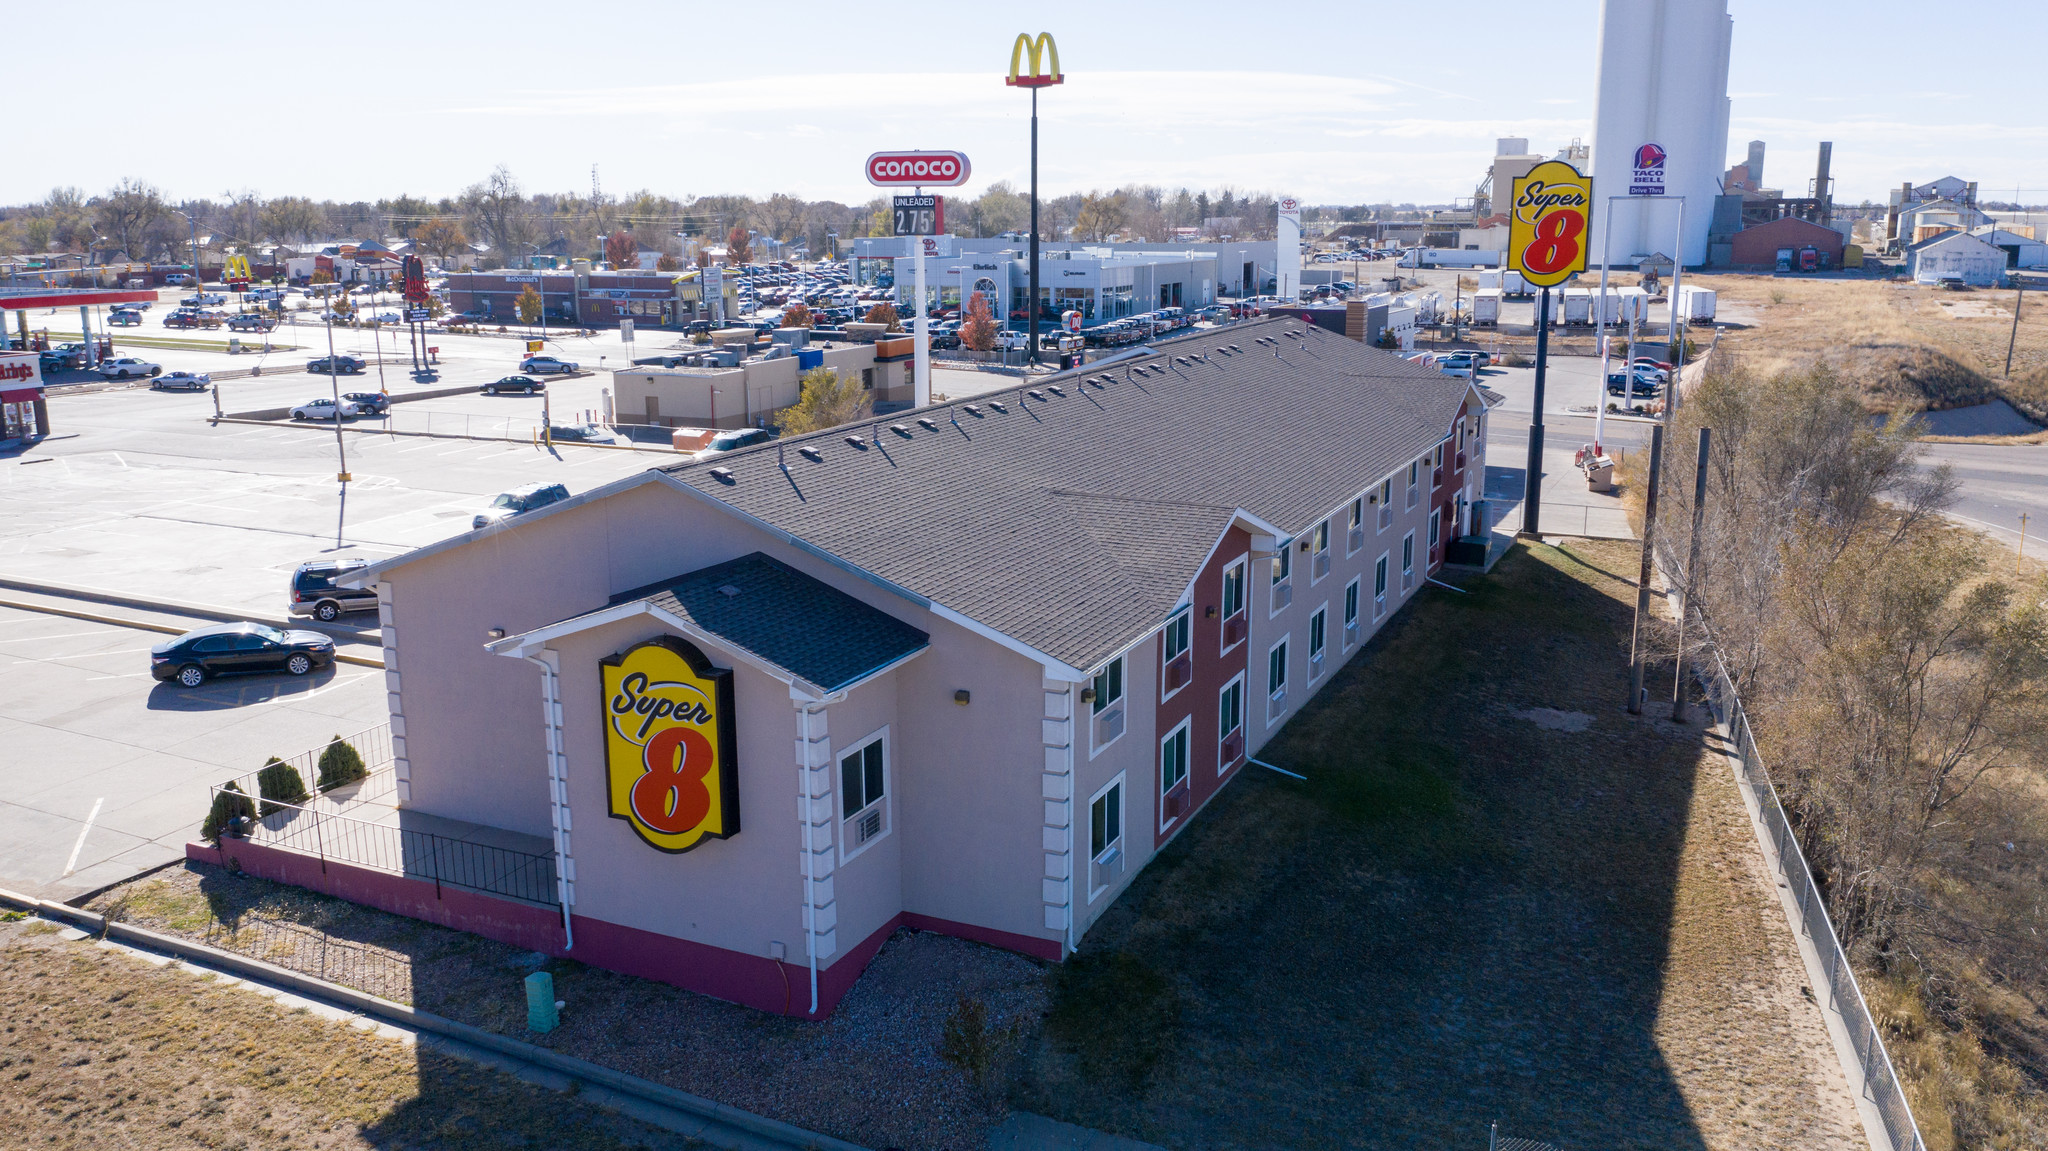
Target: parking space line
71	865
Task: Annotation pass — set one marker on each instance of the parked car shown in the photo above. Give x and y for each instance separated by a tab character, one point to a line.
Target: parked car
1466	360
314	591
733	440
128	367
539	364
182	319
182	381
369	403
583	434
323	408
1632	383
236	648
177	278
337	365
526	384
519	501
252	322
942	340
387	318
59	360
124	318
203	299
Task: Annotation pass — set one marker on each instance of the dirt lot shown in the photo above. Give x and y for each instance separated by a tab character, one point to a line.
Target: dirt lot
103	1051
1499	897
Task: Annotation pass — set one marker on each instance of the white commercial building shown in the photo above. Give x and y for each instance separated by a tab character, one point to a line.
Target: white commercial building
1660	126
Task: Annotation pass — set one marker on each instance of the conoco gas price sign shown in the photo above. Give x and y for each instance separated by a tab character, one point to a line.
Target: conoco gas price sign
918	169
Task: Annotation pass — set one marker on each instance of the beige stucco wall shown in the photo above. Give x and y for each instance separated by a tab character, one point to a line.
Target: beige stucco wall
746	395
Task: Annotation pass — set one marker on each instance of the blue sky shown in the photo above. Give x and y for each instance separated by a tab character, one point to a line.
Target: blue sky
1336	102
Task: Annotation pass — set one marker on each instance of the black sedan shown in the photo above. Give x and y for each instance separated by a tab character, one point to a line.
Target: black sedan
231	648
526	384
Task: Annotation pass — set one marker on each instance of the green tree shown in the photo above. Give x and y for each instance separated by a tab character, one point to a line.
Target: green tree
229	804
528	305
828	401
979	330
1101	216
340	764
279	783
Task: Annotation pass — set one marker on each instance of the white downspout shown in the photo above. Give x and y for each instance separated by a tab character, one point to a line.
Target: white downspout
803	792
558	798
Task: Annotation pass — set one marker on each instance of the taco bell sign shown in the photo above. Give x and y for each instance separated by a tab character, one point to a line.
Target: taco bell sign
1648	177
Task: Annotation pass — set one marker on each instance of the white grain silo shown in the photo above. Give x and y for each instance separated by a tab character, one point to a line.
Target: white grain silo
1660	125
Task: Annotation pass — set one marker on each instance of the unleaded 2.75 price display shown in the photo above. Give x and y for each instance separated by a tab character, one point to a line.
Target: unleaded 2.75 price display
920	215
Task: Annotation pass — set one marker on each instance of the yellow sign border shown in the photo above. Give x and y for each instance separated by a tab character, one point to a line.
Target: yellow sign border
715	684
1522	231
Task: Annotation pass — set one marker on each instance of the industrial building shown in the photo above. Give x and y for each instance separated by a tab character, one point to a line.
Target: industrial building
1660	127
1758	246
1956	257
966	670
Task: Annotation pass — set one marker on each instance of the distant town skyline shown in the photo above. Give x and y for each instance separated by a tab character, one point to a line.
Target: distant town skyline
1319	105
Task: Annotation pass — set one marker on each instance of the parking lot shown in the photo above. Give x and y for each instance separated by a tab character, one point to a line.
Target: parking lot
107	771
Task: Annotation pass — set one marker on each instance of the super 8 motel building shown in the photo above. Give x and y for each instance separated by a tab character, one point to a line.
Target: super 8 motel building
965	669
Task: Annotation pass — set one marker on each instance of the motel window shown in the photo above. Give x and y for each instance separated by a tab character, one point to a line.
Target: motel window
1233	589
1106	822
1283	562
1177	636
1316	629
1173	759
1436	524
863	788
1109	684
1322	538
1414	472
1386	490
1230	708
1276	670
1358	513
1351	602
1379	580
1408	552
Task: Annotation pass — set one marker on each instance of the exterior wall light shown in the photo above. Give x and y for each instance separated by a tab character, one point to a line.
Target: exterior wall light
1088	695
960	697
496	633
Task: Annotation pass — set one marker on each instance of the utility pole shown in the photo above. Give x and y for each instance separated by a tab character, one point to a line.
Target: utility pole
1688	591
2019	296
1532	479
340	448
1636	657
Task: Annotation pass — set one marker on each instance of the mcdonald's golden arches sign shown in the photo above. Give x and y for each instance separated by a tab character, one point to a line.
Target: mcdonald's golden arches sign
1043	53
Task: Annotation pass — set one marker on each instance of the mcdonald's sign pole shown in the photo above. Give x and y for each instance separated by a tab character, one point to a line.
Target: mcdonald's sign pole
1043	53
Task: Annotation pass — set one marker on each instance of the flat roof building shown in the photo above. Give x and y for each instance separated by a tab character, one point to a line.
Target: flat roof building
966	669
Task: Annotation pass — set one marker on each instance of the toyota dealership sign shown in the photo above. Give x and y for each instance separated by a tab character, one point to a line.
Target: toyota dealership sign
918	169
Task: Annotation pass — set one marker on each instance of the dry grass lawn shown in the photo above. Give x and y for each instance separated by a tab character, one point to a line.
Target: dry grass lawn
1499	897
104	1051
1914	348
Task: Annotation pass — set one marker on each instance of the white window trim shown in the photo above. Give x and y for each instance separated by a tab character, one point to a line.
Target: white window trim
1273	586
1244	607
1159	789
1355	591
1237	681
1322	525
1187	613
1095	749
1408	553
1123	833
1385	503
1279	697
1379	594
888	801
1359	527
1322	609
1436	528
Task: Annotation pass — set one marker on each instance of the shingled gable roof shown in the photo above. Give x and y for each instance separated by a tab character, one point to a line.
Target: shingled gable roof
1074	523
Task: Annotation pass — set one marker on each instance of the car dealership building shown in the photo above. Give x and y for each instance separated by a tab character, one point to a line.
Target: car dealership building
964	669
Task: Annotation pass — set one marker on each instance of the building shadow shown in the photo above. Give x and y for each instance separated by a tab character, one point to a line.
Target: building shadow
230	692
1461	918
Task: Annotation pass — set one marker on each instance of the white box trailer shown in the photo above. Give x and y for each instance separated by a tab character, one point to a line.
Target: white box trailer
1514	286
1634	304
1451	258
1578	307
1486	307
1696	304
1489	280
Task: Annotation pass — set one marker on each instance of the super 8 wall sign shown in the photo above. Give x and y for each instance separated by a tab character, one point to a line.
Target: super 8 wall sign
670	767
1547	223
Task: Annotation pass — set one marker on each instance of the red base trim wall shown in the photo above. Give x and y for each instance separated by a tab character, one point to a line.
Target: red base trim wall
757	981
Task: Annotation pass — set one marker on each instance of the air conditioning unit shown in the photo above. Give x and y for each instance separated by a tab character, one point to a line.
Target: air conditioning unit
869	825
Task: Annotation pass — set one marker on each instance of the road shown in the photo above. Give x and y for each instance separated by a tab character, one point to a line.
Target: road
1999	482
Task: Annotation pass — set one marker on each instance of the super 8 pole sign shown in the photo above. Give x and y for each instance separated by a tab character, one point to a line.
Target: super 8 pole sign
670	767
1548	219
